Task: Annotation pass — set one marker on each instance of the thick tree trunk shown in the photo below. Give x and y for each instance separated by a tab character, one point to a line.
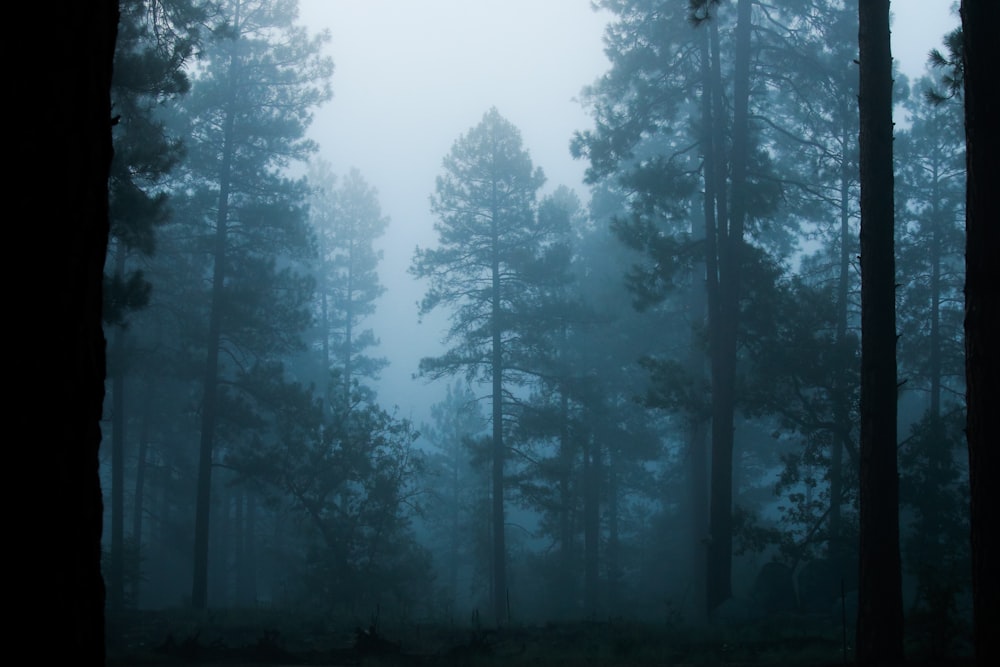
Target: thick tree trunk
76	124
880	608
980	26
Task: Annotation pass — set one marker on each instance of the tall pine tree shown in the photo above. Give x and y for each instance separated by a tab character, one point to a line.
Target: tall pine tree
259	82
493	260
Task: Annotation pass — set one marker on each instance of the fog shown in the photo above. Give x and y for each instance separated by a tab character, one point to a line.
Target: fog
411	76
376	386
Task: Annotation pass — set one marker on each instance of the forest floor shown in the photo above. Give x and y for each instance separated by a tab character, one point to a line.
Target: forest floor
168	639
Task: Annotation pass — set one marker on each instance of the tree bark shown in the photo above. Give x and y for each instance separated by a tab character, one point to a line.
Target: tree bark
880	607
980	25
76	121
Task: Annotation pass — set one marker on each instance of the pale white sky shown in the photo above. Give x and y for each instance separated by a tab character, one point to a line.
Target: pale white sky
412	75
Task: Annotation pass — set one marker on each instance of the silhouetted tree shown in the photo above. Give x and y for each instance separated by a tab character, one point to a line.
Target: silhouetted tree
76	228
880	601
980	26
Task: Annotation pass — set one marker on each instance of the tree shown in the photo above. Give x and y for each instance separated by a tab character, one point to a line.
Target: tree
494	258
813	50
930	236
69	521
880	600
351	477
155	42
640	107
249	109
980	25
347	220
455	487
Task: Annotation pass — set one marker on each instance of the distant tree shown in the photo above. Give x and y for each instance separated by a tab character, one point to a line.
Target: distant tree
930	207
259	81
813	51
351	477
586	437
494	259
347	221
880	602
456	485
980	25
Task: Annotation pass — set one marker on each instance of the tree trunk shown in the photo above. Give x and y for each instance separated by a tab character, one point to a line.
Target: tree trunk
499	546
116	583
76	117
720	546
836	547
210	398
139	494
980	26
697	435
880	608
591	525
613	551
566	590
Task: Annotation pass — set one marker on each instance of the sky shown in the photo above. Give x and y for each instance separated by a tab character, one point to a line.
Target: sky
411	76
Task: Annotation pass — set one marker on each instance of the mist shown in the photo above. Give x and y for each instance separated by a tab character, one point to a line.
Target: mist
525	332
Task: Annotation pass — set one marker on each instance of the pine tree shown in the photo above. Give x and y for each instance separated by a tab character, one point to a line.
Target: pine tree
494	259
880	599
348	221
980	22
643	139
155	42
259	81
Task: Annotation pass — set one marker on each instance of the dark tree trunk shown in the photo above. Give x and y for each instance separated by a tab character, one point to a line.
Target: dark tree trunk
116	573
697	436
841	388
980	26
139	493
210	398
591	525
567	592
880	608
613	550
720	546
75	119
